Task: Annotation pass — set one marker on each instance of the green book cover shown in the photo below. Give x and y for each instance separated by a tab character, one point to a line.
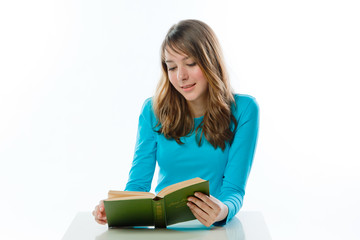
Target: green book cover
126	208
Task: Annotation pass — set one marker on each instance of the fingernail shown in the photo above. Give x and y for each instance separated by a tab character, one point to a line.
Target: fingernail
196	194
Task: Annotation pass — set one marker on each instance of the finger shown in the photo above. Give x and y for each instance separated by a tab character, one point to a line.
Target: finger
102	209
200	203
98	214
198	216
213	203
101	215
101	221
102	206
209	201
95	212
203	206
198	210
203	221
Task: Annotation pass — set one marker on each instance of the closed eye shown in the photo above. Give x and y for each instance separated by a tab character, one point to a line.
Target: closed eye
190	65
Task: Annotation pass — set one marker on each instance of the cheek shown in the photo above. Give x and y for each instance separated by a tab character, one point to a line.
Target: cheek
172	79
200	76
171	76
173	82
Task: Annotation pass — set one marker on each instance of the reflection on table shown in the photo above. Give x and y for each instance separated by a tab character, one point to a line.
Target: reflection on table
246	225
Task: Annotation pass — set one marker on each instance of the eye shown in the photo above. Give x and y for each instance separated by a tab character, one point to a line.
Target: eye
171	69
192	64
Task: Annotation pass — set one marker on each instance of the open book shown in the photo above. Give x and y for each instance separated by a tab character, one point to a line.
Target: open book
127	208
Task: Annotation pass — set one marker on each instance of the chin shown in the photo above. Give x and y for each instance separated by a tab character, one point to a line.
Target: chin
190	98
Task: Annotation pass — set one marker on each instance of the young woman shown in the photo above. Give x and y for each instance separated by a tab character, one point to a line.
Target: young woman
195	126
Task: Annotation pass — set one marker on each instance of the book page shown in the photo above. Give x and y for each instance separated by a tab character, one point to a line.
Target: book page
180	185
128	195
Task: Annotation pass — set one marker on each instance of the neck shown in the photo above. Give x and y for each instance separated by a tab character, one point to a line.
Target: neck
197	109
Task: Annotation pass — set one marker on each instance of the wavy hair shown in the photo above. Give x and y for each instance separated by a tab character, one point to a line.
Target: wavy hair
197	40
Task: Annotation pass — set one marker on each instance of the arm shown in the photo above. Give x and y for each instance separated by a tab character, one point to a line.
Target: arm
210	210
143	165
240	160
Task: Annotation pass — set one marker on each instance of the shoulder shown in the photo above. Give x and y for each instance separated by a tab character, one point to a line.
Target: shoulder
244	98
147	105
147	112
244	103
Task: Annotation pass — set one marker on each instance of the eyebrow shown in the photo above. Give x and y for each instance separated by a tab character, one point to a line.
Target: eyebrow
168	61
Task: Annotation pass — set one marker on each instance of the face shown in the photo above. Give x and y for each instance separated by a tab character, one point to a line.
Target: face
186	76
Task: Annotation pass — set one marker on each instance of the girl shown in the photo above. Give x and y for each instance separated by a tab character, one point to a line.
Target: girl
195	126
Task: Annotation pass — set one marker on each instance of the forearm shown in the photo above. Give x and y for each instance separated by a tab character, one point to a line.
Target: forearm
233	200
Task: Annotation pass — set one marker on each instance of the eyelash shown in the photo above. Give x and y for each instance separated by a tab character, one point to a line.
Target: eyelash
190	65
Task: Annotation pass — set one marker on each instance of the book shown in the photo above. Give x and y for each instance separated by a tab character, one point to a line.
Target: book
169	206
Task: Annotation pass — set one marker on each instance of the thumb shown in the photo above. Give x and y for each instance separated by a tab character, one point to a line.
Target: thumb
101	205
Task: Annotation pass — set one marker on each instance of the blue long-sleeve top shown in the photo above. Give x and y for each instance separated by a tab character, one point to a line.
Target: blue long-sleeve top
227	171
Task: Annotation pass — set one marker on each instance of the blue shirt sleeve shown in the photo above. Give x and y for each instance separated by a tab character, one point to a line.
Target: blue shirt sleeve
143	165
240	159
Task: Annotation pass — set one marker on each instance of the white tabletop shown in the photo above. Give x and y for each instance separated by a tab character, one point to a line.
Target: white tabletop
245	225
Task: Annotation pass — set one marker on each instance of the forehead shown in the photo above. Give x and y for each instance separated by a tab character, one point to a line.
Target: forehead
172	56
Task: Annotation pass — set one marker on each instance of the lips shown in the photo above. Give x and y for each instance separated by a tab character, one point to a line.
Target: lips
188	86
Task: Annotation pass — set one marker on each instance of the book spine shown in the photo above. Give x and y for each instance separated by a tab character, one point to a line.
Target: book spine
159	213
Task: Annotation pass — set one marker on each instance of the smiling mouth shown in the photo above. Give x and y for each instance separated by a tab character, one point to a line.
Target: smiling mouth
188	86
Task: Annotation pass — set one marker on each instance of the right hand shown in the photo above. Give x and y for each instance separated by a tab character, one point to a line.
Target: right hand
99	213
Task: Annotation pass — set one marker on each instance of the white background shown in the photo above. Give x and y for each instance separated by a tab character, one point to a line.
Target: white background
74	75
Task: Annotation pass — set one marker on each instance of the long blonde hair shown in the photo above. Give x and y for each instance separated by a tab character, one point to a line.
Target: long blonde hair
197	40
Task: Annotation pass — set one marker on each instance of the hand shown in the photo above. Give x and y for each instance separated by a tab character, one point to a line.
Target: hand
207	210
99	213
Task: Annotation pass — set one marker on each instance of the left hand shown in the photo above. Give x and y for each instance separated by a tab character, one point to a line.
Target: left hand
207	210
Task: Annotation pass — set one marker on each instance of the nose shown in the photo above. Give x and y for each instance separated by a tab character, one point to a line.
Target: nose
182	74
